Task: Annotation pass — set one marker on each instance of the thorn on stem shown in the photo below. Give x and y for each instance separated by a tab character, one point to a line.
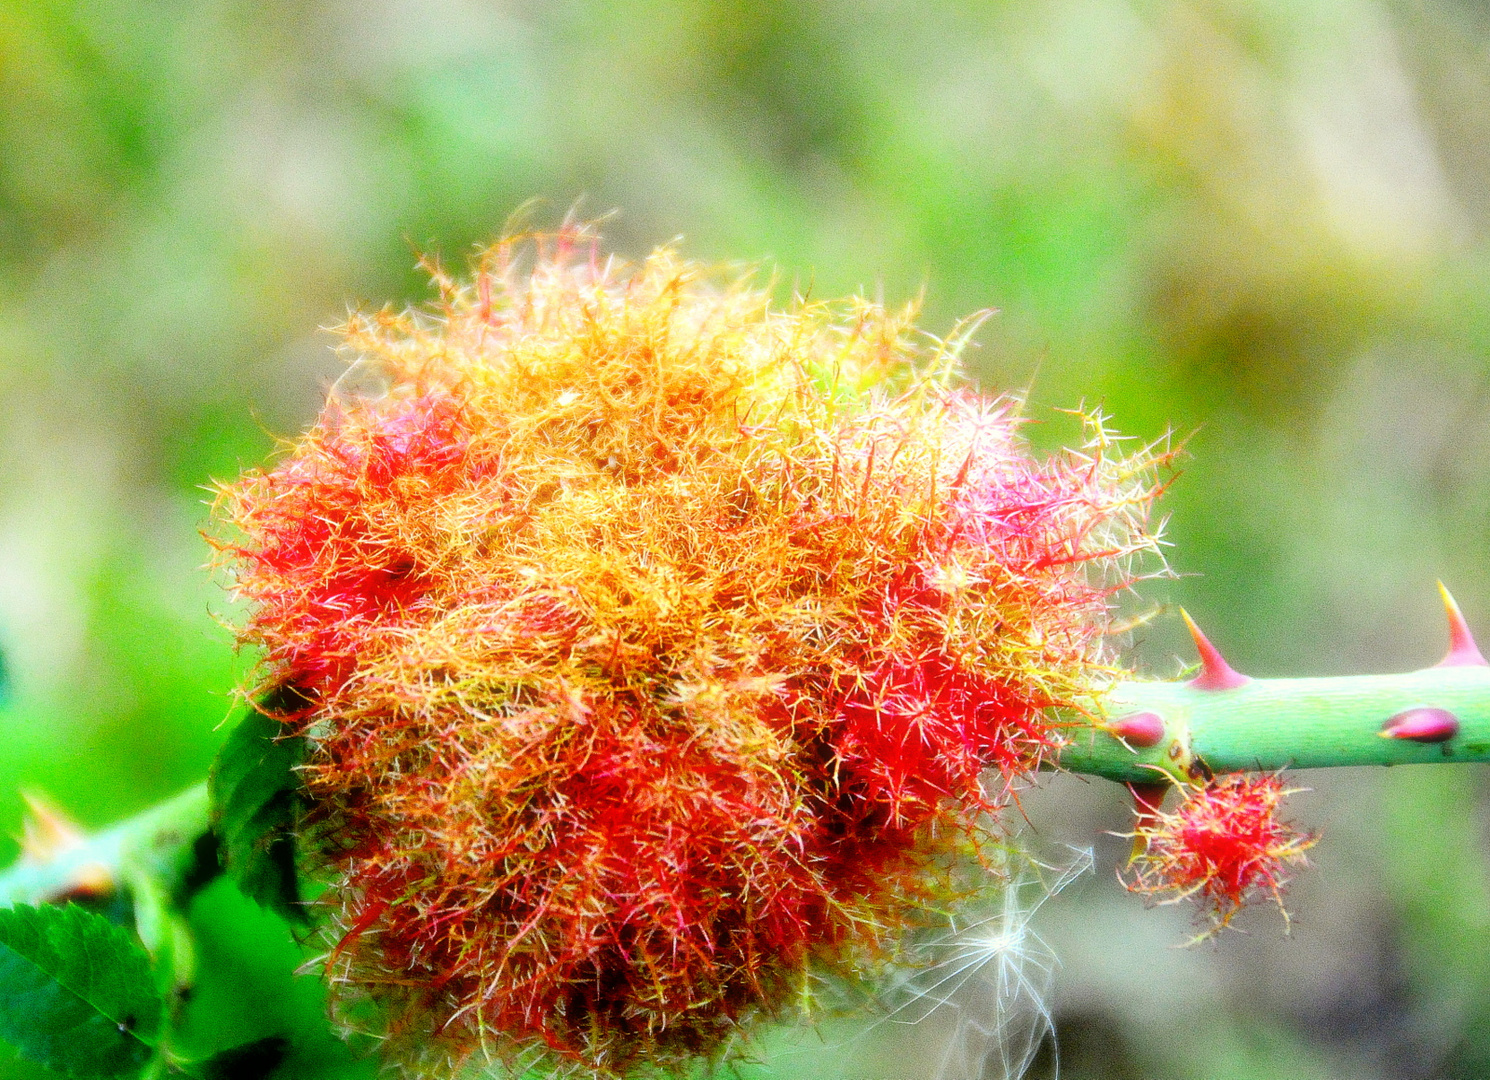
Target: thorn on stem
1421	725
1463	652
49	836
1148	799
1215	672
48	832
1142	729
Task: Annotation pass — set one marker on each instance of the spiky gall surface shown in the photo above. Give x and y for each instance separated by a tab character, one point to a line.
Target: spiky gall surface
654	641
1224	846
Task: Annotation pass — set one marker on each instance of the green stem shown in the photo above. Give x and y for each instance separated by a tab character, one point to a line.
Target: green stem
1264	724
156	845
1268	724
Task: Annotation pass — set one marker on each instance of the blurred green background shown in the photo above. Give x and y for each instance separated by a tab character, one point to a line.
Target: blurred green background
1263	223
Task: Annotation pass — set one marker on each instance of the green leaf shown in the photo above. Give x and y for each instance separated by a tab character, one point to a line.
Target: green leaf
76	993
256	802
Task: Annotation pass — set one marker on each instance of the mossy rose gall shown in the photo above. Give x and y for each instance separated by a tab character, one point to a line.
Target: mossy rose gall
654	642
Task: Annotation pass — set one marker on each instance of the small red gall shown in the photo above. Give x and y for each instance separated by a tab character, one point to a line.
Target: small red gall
1223	847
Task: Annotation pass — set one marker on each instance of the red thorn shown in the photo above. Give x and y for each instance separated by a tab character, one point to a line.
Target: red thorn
1463	652
50	836
1148	797
49	833
1215	672
1140	729
1422	725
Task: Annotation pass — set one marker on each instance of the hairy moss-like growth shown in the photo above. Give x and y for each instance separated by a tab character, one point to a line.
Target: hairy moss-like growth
1224	846
653	641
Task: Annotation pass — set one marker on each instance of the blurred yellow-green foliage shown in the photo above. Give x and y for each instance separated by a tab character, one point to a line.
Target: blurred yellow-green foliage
1262	222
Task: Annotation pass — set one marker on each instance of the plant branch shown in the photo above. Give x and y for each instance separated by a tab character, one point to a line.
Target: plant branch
157	845
1267	724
